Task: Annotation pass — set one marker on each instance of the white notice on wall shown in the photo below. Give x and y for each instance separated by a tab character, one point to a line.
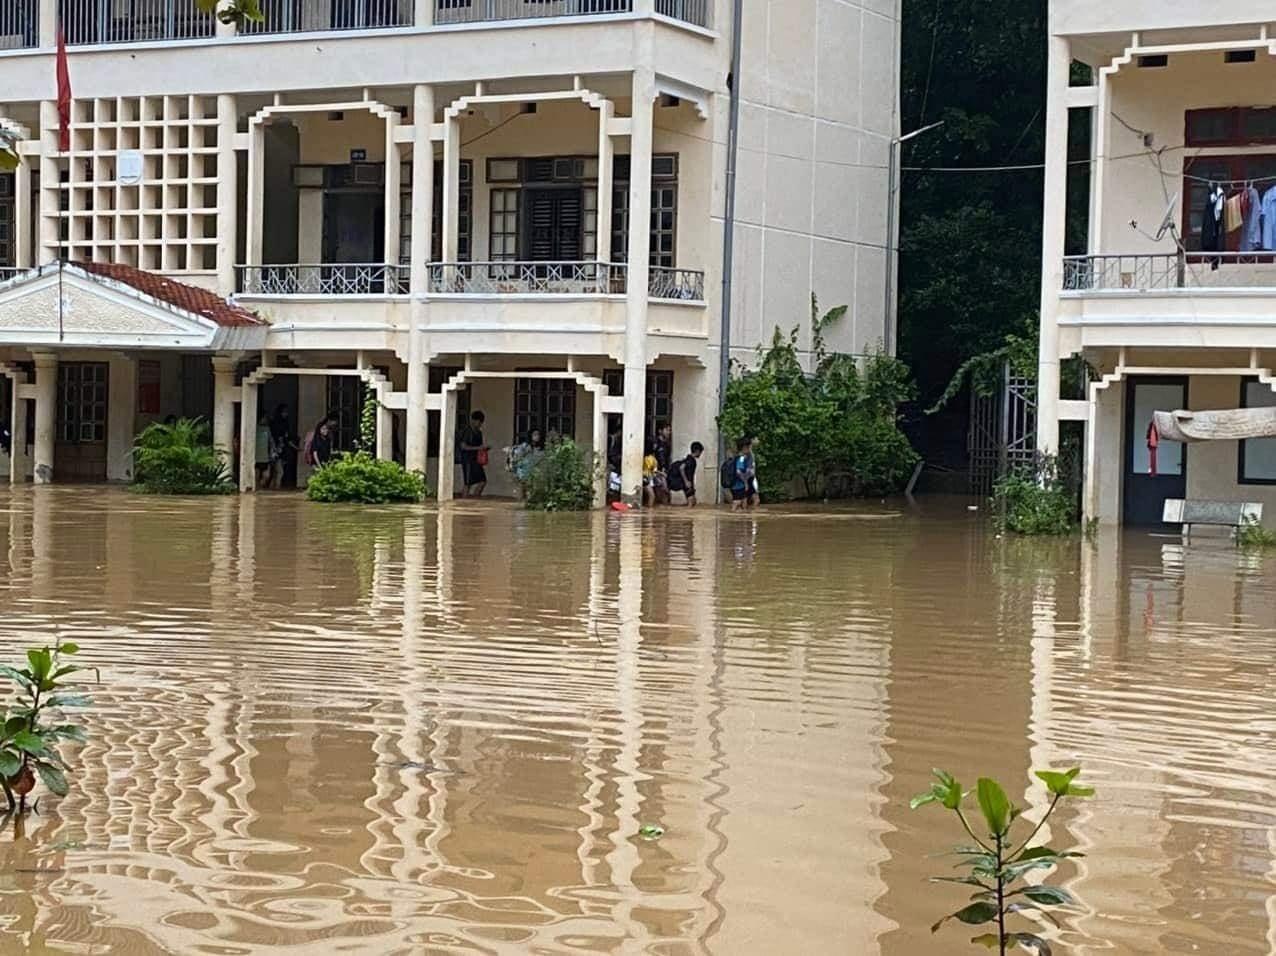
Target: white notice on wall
130	170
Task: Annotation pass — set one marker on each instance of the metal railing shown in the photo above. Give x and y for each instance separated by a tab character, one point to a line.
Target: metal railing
361	278
480	11
107	21
685	284
317	16
18	24
699	12
527	278
1150	272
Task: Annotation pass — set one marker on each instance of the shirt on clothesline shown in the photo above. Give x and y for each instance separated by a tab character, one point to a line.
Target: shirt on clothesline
1269	219
1252	228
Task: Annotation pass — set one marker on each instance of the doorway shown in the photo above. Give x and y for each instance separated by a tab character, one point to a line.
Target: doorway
79	452
1152	476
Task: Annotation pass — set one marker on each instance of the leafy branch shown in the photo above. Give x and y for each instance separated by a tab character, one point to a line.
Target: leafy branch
997	864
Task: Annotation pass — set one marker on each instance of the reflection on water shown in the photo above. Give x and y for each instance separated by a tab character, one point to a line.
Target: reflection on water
395	731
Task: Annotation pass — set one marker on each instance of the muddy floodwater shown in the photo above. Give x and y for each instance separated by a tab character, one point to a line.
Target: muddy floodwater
388	730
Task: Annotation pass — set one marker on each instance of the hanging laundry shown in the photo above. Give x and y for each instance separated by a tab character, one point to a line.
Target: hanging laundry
1232	217
1212	235
1269	219
1252	228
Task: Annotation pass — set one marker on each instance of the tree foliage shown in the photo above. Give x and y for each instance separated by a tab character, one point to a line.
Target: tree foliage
833	432
1035	501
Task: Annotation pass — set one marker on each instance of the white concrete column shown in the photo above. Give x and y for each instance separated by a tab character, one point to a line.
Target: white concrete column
1052	242
18	433
416	439
606	161
447	445
423	13
48	211
248	438
1101	135
48	38
227	194
385	431
224	395
451	185
224	29
638	266
46	414
256	191
393	196
600	446
22	214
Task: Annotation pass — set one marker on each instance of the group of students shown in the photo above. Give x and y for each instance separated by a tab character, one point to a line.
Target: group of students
663	478
278	445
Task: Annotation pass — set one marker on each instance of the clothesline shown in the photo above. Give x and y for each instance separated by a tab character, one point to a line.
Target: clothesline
1252	181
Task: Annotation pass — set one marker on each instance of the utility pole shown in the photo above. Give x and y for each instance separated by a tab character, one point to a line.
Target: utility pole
889	319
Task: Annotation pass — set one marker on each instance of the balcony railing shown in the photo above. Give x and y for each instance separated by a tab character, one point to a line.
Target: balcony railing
699	12
1153	272
685	284
325	279
316	16
18	19
527	278
106	21
480	11
559	278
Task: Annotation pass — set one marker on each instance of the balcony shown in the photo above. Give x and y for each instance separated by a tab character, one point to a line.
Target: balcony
317	16
18	19
697	12
104	21
559	278
327	279
1167	272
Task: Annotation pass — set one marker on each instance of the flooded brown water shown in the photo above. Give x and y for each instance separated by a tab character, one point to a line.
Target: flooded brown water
326	729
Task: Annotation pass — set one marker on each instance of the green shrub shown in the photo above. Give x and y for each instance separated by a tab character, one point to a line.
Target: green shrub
1252	536
358	476
563	479
179	459
1035	501
833	431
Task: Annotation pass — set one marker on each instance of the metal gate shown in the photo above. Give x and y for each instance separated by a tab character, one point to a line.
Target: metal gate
1003	430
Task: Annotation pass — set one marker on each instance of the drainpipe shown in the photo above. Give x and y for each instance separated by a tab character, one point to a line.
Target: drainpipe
728	222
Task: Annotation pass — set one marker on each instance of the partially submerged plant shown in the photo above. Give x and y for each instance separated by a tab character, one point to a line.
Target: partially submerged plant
29	739
996	864
1252	536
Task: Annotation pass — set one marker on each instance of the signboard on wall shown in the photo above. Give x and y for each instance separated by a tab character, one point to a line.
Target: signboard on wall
130	167
358	155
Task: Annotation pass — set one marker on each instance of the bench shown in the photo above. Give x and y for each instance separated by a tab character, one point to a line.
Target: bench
1223	514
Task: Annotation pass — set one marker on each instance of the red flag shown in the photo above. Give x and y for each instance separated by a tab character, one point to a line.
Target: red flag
64	96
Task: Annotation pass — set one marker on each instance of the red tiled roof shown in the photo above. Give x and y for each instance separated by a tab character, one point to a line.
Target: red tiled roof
188	298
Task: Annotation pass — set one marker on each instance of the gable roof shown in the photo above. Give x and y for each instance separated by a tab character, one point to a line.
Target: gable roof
188	298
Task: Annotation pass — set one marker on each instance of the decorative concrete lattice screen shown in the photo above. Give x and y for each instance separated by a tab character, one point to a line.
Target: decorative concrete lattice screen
139	185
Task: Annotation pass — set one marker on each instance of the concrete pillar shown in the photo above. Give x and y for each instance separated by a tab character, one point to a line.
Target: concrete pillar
447	445
423	13
416	440
224	29
50	245
600	446
638	266
451	185
22	214
385	432
256	191
393	197
606	161
224	395
1052	242
227	194
248	438
18	466
48	38
46	414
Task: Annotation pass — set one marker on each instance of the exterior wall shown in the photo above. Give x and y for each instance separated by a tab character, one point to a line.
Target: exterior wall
819	107
1212	466
1105	16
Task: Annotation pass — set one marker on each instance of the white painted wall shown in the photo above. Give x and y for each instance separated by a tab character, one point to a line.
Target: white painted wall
1103	16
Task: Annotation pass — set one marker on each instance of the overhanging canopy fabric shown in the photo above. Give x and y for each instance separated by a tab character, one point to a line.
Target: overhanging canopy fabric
1227	424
